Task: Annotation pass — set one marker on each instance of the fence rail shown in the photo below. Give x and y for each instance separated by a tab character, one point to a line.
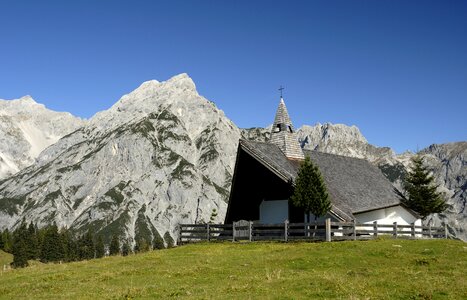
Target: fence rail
323	231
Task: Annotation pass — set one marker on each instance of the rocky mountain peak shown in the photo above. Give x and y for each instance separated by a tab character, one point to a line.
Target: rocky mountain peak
23	105
161	155
329	132
26	129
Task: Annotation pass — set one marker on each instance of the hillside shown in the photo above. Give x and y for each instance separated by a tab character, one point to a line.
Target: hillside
381	269
5	258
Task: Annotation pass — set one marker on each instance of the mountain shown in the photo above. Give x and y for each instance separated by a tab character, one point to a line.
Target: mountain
164	155
161	155
448	162
27	128
341	139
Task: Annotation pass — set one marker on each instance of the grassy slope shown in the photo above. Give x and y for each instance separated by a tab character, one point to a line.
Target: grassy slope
382	269
5	259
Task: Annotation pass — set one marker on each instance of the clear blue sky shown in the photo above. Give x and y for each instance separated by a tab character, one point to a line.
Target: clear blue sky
395	69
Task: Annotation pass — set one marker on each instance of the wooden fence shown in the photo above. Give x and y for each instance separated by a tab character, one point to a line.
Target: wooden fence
325	231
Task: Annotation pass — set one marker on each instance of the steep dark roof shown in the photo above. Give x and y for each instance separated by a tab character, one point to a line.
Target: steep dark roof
355	185
272	157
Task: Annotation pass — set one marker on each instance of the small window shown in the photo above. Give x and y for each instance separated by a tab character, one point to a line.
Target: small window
289	128
278	128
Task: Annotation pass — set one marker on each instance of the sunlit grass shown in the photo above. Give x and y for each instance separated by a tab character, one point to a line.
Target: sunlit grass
381	269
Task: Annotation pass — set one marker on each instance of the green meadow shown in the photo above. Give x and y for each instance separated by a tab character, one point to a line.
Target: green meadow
379	269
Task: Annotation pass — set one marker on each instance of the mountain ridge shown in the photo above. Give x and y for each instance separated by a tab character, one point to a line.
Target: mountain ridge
163	154
26	129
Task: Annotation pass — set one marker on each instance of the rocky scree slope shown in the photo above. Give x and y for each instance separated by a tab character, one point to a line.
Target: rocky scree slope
162	155
27	128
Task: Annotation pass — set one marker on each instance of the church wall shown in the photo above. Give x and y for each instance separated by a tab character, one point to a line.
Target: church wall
388	216
274	211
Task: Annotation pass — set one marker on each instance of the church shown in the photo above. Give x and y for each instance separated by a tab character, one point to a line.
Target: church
265	172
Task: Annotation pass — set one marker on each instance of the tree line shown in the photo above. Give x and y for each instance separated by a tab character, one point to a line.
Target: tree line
51	244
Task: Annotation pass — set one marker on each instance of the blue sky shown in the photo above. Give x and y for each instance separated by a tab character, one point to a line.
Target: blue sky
395	69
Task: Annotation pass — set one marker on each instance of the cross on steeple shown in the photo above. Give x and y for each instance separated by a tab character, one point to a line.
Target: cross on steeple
280	89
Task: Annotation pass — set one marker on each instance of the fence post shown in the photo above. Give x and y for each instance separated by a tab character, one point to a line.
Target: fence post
179	240
233	231
413	230
395	230
208	234
429	230
328	230
375	229
286	230
250	230
446	230
354	230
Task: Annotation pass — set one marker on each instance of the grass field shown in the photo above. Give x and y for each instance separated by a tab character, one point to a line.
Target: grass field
381	269
5	259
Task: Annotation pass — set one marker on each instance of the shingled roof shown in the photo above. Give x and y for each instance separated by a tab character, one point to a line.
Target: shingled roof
354	185
283	134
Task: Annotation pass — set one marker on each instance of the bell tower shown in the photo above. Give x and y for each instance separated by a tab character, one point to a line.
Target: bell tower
283	134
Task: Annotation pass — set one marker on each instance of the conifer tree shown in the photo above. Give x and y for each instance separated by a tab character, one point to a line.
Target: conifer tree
169	240
126	248
69	244
6	241
32	242
2	242
20	246
100	248
310	192
213	216
52	246
421	193
158	242
141	245
114	248
86	246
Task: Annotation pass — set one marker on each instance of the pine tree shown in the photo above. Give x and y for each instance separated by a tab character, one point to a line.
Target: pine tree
310	192
126	248
7	241
2	242
169	240
141	246
52	246
20	246
100	248
114	248
213	216
69	244
421	192
32	242
86	246
158	242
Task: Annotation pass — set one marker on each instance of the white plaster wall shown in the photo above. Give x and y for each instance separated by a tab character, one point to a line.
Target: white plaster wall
388	216
273	211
